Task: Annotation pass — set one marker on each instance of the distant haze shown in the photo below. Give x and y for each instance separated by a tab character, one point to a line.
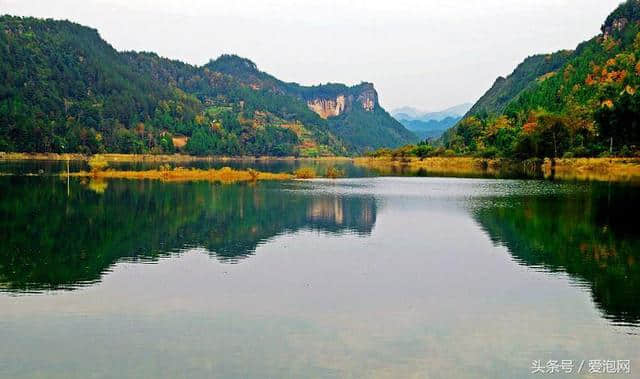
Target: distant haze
429	54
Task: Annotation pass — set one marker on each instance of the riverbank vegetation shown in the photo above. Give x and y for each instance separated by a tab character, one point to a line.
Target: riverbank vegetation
223	175
99	170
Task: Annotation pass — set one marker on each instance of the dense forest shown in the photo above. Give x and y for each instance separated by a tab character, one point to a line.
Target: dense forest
64	89
567	104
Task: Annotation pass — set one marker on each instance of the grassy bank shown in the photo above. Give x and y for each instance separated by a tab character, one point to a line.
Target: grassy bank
450	166
600	169
223	175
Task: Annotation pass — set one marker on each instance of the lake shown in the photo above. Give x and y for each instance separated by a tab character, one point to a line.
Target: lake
366	276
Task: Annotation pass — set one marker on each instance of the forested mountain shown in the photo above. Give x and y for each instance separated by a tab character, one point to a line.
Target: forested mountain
504	90
352	113
64	89
571	103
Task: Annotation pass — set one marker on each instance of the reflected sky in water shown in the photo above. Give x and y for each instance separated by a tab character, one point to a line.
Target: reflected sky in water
369	277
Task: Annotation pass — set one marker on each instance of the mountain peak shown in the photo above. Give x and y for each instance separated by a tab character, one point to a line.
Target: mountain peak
232	64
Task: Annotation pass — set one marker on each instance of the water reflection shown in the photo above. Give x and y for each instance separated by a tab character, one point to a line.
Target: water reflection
59	239
589	233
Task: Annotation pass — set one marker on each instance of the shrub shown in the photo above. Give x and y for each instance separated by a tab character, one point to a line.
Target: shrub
580	152
334	173
305	173
489	152
97	163
625	151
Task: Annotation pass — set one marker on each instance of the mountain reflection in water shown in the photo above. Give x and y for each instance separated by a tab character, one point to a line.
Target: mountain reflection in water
56	236
59	239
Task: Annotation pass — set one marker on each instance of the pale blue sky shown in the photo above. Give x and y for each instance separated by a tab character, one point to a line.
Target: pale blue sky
429	54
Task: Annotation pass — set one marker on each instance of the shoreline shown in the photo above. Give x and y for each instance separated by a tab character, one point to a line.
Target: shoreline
583	169
152	158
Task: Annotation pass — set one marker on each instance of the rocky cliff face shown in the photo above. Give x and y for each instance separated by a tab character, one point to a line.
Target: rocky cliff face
326	108
368	97
333	101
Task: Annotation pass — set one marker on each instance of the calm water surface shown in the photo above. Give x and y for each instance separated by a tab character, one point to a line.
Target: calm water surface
361	277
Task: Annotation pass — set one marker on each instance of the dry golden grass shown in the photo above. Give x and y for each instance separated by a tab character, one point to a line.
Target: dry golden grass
451	165
224	175
599	169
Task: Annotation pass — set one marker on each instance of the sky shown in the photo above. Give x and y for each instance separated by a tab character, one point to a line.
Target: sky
429	54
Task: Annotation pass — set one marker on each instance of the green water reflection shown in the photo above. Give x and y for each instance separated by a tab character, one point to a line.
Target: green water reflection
357	277
56	236
588	231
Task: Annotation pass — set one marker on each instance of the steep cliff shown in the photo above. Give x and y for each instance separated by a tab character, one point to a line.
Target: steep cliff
355	115
331	100
326	108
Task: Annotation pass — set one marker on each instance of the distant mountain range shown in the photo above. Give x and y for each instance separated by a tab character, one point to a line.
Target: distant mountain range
64	89
410	113
430	125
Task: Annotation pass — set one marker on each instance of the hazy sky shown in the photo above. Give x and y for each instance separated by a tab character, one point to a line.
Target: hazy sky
430	54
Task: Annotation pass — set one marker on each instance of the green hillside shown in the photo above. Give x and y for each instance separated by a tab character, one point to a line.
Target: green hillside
359	127
504	90
582	103
64	89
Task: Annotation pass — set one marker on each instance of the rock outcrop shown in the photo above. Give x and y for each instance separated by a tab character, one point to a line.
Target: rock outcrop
326	108
336	100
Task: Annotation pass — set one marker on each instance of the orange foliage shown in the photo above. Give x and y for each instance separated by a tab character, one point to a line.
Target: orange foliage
501	122
294	127
589	80
529	127
179	141
308	144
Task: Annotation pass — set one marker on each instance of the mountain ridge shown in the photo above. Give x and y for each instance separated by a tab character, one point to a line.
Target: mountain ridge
65	89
